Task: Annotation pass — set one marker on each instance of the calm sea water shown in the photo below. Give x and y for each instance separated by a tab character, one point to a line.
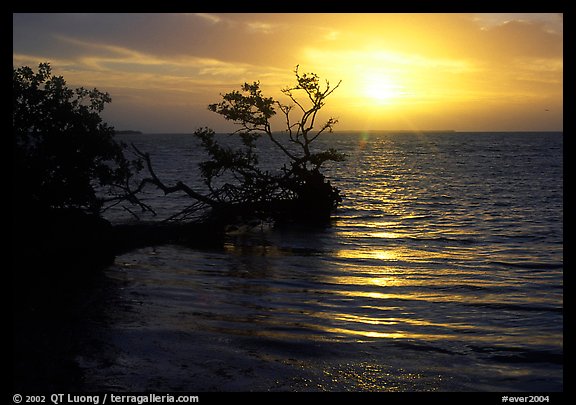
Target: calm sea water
442	271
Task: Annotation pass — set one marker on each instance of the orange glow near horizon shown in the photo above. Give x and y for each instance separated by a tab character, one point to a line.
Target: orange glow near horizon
398	71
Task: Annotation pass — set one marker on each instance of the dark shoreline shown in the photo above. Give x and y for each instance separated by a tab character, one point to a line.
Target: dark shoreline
59	287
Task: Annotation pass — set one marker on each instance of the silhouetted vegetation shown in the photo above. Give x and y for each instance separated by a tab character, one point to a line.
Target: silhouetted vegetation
64	154
238	186
68	169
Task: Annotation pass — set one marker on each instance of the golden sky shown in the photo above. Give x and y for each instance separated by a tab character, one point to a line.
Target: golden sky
467	72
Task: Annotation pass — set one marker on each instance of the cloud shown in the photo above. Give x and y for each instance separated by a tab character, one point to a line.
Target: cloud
245	22
519	38
176	58
212	18
551	22
109	57
260	27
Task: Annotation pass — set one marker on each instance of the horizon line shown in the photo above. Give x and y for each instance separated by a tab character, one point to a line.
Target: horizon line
340	131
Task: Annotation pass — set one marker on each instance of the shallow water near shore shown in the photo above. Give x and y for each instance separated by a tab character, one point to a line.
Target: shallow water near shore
442	271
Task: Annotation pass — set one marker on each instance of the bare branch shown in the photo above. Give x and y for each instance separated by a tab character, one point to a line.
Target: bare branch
286	151
327	126
169	189
288	92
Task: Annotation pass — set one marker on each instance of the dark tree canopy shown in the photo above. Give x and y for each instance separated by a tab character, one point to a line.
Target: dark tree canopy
237	183
64	154
251	111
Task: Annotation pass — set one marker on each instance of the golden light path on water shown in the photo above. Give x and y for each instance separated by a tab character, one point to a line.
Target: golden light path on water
342	321
386	274
426	269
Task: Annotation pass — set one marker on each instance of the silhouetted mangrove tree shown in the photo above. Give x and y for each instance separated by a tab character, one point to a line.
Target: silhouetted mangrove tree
64	155
69	169
239	188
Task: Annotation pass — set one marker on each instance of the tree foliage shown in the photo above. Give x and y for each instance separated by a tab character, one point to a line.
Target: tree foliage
237	183
252	111
64	153
301	180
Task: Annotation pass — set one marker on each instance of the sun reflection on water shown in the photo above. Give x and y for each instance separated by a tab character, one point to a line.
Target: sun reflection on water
378	254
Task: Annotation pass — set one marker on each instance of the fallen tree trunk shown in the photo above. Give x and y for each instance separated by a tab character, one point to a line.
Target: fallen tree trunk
141	234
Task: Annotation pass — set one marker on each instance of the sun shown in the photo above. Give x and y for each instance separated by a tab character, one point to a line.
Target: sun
381	89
